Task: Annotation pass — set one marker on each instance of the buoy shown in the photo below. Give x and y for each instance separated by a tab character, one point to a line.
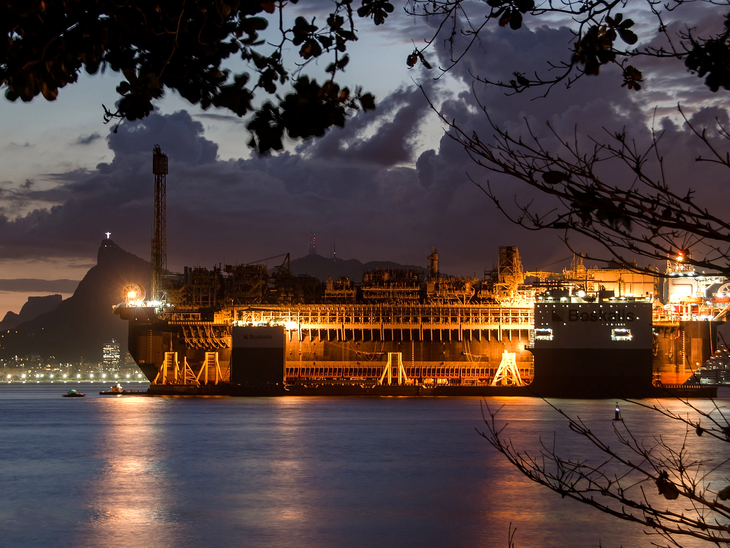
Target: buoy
617	416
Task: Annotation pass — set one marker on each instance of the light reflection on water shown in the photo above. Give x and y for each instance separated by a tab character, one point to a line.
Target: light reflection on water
290	472
130	500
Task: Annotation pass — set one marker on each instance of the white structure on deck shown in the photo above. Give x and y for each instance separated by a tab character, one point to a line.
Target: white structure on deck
507	374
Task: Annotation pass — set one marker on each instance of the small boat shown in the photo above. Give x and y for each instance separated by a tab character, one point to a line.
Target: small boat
73	393
118	390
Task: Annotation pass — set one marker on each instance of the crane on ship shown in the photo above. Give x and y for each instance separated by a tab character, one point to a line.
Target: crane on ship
285	265
547	276
543	275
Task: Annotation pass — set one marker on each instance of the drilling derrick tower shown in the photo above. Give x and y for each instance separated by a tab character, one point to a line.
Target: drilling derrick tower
511	277
159	229
510	267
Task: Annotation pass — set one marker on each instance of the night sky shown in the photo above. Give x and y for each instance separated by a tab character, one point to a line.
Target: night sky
389	186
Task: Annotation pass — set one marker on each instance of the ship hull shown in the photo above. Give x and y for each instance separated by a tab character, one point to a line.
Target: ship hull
586	373
443	361
319	367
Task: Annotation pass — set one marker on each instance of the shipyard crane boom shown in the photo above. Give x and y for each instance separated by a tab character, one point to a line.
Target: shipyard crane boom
286	261
542	275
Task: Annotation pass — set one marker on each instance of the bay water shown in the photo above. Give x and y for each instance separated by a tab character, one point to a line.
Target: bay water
317	472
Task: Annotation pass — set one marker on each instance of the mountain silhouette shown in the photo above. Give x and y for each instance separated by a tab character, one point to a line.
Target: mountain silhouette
34	307
322	268
79	326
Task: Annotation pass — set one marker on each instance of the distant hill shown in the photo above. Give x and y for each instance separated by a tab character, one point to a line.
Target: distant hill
323	268
80	325
34	307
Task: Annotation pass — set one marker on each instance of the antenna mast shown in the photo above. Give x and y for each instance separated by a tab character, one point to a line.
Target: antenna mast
159	229
312	243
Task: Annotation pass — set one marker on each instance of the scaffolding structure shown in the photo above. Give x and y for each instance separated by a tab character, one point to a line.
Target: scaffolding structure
170	371
507	374
211	363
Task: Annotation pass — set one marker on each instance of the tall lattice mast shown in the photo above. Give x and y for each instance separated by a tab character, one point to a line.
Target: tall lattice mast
159	229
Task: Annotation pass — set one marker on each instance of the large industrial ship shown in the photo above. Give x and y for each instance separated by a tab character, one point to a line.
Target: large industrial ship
403	331
400	332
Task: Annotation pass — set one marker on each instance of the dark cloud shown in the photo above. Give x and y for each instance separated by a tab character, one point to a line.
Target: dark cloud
30	285
425	168
88	139
241	211
217	117
590	112
116	197
179	135
397	122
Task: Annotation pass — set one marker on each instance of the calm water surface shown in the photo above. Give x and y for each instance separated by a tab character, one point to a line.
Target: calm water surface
290	472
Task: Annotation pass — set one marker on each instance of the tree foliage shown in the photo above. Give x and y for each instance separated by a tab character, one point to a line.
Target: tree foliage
603	35
190	47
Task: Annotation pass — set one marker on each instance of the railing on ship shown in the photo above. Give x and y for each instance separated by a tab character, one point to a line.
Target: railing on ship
373	316
467	374
372	322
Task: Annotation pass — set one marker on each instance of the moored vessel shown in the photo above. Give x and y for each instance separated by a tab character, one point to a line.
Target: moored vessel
435	335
